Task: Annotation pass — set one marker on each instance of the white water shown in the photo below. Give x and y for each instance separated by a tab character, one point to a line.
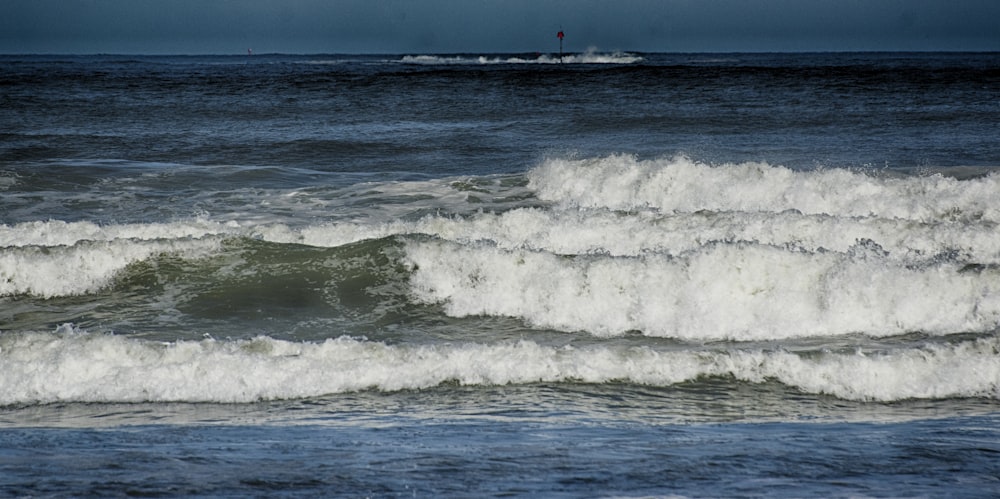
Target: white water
84	267
682	185
69	365
718	292
59	233
731	252
591	56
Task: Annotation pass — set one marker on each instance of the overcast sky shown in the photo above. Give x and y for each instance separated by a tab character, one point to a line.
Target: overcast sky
482	26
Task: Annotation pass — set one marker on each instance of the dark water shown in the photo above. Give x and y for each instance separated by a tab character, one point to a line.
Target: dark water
619	275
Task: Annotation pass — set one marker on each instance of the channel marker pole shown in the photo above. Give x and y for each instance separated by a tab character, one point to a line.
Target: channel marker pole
560	35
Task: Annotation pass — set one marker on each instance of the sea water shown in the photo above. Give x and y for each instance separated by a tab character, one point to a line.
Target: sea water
611	275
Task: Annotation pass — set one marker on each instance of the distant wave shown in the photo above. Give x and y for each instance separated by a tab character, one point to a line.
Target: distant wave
589	57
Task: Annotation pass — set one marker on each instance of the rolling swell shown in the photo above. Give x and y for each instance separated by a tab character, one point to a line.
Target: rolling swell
221	284
303	291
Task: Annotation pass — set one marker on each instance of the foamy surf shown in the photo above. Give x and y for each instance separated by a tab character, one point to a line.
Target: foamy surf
681	249
73	366
570	232
589	57
717	292
84	267
680	184
60	233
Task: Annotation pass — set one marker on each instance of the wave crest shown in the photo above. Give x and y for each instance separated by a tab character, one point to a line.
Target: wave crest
70	365
622	182
591	56
717	292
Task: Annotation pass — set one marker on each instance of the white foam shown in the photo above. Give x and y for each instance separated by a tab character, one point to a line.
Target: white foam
8	180
60	233
73	366
717	292
681	185
571	232
86	266
591	56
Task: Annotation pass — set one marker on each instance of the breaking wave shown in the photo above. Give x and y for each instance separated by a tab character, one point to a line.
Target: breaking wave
70	365
588	57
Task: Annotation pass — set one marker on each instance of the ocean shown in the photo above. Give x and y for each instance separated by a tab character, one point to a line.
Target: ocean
465	275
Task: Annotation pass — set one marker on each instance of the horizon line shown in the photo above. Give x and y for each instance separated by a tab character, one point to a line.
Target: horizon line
357	54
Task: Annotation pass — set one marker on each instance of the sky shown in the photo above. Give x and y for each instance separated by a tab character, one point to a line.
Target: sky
494	26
